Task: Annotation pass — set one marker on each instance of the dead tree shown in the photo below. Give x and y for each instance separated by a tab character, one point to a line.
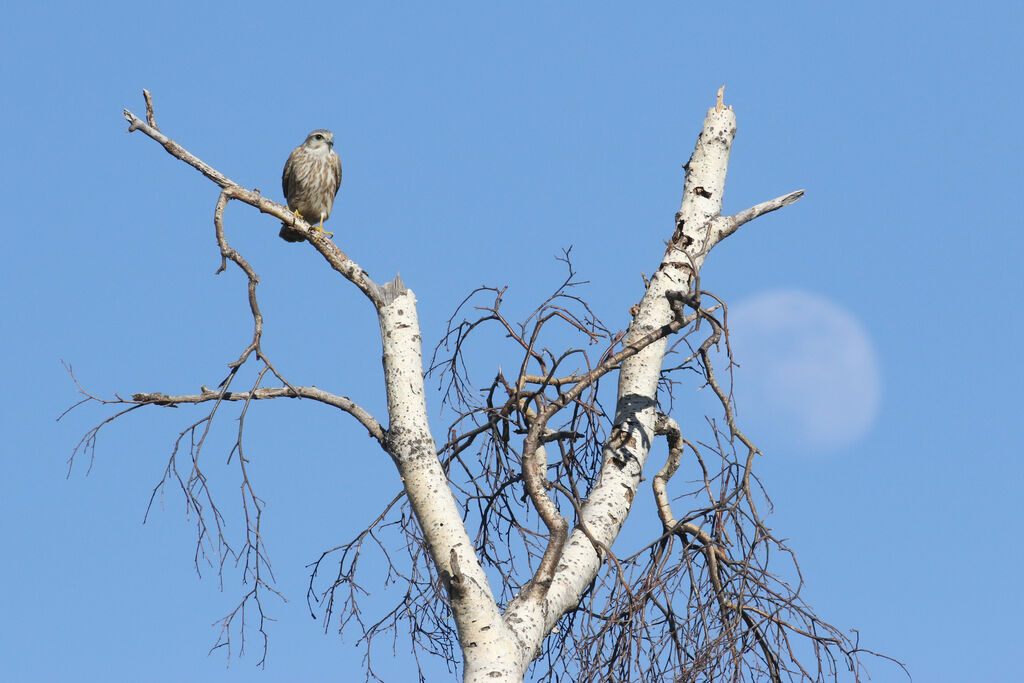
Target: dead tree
534	478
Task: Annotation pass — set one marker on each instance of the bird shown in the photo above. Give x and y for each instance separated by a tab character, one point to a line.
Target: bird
311	178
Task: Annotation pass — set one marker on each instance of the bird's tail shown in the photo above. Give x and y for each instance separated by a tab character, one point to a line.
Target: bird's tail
290	234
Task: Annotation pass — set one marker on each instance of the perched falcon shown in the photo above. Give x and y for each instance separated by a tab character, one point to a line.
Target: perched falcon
311	178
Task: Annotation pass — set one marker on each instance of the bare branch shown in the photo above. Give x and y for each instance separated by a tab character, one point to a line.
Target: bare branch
723	226
212	544
150	115
341	402
331	253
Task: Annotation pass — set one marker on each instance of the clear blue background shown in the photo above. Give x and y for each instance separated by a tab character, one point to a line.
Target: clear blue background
478	141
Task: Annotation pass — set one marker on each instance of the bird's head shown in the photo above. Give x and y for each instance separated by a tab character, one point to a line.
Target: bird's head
320	140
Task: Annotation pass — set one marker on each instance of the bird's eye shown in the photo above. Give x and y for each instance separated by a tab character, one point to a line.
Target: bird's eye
318	136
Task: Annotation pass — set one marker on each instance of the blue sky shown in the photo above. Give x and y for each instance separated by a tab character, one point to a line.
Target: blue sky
478	141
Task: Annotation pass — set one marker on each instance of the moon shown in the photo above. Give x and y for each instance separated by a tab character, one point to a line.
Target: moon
809	380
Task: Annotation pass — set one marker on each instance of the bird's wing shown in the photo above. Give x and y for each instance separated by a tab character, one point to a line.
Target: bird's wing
288	174
336	162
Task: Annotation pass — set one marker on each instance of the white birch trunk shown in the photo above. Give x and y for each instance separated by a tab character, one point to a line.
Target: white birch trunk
489	653
610	501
